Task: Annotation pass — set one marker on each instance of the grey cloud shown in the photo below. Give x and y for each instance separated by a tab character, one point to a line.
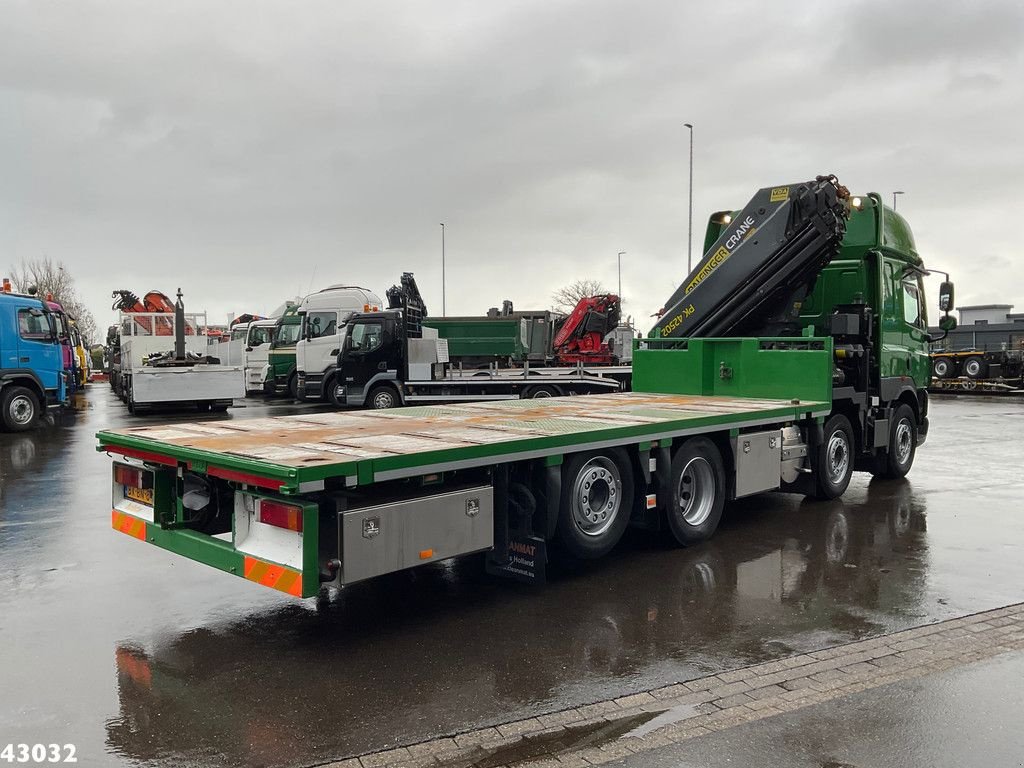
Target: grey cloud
248	151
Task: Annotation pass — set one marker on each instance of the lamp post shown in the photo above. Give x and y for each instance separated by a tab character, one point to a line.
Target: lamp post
689	227
897	192
444	306
621	254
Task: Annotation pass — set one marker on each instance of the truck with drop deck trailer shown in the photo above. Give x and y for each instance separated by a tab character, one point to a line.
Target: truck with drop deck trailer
794	354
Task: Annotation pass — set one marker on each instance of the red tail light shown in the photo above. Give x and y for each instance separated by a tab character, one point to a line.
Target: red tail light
125	475
281	515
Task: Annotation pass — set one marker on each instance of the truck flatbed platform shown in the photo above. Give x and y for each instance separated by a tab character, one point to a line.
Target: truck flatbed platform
295	454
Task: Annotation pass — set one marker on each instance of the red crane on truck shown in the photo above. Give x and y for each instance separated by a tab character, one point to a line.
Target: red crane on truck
581	338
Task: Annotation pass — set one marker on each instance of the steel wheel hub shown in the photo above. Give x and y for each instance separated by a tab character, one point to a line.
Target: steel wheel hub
596	495
696	491
837	454
904	441
21	410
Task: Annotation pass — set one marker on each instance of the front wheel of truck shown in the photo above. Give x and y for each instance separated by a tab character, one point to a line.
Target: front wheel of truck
597	496
381	397
20	409
834	464
697	483
899	458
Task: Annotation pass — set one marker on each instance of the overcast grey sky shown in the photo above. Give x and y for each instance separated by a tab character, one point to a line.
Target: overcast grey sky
248	150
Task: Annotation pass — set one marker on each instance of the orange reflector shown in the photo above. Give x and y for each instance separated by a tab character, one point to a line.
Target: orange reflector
129	524
652	501
273	576
426	554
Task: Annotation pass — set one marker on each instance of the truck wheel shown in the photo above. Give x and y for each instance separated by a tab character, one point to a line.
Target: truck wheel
899	458
697	480
334	392
20	408
382	397
597	497
542	391
293	386
942	367
834	463
975	367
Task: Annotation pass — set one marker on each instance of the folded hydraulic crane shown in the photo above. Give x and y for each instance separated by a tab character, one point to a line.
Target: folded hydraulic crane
753	278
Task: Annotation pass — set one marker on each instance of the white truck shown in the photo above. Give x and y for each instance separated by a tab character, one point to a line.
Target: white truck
259	334
323	316
164	361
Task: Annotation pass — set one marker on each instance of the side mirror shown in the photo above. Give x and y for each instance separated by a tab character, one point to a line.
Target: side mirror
946	296
947	323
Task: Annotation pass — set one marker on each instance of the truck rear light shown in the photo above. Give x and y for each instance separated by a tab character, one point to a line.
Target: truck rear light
125	475
280	515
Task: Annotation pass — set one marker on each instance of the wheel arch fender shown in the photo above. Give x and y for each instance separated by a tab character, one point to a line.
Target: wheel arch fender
24	378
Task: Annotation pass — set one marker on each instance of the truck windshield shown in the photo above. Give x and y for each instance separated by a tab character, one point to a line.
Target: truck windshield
287	335
259	335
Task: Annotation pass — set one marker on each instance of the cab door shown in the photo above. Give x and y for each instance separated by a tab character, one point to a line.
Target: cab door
915	328
38	349
894	357
321	342
369	351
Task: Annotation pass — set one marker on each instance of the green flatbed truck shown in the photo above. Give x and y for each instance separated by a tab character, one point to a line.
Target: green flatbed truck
298	502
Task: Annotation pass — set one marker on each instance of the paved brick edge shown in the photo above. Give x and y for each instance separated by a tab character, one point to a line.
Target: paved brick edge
730	698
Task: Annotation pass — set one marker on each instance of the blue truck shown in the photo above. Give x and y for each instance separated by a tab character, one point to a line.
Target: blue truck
33	377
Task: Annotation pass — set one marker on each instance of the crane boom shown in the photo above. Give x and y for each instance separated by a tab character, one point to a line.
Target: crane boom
765	260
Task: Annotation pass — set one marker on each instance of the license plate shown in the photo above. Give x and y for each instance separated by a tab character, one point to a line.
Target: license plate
141	495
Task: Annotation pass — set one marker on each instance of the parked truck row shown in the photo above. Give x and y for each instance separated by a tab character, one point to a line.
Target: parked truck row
43	360
794	354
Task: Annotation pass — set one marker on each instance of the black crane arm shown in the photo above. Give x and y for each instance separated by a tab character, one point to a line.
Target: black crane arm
768	257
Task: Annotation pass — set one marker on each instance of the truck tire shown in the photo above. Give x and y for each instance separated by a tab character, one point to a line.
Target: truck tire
942	367
20	408
975	368
333	391
899	458
381	397
697	491
544	390
597	499
293	386
833	466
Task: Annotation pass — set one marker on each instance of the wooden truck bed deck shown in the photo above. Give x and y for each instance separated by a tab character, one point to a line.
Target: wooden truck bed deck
297	453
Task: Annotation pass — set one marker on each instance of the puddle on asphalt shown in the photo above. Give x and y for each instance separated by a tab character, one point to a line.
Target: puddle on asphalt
571	738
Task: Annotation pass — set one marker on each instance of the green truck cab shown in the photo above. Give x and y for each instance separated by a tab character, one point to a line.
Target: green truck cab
279	377
869	299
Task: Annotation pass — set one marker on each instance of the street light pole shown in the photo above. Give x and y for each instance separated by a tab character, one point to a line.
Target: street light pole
621	254
689	228
897	192
444	305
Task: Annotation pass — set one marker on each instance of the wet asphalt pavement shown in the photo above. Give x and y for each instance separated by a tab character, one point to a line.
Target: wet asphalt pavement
138	656
963	717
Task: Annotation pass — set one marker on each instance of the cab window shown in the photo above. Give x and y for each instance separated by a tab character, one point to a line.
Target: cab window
321	324
33	325
366	337
286	335
259	335
911	303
